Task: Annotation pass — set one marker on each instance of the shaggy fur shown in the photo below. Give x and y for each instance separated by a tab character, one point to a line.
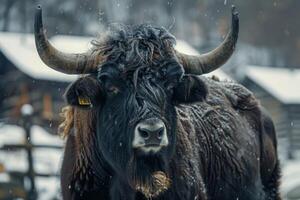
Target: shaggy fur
222	145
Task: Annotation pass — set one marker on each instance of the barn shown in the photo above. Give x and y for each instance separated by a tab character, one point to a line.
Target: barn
24	79
278	90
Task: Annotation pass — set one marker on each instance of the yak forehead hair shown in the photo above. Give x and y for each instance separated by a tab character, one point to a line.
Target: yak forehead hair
135	46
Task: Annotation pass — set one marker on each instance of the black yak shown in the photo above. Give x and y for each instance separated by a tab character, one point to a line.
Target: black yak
143	124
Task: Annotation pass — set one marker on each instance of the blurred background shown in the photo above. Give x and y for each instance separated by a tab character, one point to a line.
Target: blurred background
267	61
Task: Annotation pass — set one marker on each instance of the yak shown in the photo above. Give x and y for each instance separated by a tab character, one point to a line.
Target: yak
142	122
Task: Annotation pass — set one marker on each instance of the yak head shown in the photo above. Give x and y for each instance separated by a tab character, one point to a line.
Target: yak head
134	78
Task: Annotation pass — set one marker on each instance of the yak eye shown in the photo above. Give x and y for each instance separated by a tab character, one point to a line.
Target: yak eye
112	89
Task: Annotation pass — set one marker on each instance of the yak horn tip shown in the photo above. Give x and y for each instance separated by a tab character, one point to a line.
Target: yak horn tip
38	22
235	21
38	11
39	7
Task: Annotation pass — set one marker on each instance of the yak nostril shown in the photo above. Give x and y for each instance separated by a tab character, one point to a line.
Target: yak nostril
160	133
144	133
151	133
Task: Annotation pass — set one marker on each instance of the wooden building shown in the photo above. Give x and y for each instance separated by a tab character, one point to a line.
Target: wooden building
24	79
279	92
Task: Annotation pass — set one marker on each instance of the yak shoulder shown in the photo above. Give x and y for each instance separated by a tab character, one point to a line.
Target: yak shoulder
234	93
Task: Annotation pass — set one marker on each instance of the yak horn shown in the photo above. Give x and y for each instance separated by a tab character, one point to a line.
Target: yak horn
64	62
210	61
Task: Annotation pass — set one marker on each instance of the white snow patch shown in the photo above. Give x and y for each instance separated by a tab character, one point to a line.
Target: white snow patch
282	83
45	160
290	176
20	50
48	188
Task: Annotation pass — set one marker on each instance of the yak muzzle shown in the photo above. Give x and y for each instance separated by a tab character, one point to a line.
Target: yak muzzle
150	135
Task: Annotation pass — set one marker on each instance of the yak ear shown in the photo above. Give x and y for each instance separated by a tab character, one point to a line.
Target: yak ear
86	92
190	89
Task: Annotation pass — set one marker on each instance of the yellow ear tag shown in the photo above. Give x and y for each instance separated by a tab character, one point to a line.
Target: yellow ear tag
84	101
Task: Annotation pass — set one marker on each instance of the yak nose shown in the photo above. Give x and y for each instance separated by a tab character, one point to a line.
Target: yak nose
150	135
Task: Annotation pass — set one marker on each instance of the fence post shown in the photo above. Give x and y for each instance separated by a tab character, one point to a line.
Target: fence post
27	112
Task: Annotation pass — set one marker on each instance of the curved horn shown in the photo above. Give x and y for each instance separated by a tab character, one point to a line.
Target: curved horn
210	61
64	62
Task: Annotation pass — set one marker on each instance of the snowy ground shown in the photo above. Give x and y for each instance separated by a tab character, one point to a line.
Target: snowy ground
290	178
45	160
49	160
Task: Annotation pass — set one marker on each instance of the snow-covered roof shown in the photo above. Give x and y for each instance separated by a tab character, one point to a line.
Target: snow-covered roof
281	83
20	50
